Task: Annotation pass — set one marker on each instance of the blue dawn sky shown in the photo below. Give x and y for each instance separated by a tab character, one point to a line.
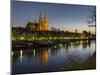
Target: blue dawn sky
63	16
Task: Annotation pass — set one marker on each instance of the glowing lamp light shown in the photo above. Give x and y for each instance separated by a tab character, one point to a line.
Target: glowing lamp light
22	38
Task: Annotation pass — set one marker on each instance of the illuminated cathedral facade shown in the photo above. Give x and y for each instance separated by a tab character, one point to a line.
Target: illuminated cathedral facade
40	25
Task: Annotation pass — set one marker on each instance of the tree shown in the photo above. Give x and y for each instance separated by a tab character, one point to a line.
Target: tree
92	16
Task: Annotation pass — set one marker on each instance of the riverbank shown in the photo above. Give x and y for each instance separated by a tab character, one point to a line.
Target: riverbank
90	63
45	43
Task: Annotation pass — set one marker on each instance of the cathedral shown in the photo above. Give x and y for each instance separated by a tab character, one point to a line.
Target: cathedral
41	25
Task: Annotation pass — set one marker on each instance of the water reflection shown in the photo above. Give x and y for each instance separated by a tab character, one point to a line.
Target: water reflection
21	54
42	55
52	57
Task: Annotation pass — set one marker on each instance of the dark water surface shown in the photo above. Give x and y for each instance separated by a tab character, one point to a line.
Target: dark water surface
60	57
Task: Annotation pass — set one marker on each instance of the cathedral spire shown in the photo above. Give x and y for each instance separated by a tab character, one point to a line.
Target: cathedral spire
40	21
45	21
40	16
45	14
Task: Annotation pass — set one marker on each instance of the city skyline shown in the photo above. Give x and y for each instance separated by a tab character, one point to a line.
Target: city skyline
63	16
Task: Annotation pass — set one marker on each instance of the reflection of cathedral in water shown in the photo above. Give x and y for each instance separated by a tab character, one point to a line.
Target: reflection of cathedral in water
42	55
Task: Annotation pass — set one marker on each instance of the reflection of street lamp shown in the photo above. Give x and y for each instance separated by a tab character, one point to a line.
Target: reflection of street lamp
34	52
21	54
12	53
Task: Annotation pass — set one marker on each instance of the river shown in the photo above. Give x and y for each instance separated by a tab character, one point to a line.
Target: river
61	57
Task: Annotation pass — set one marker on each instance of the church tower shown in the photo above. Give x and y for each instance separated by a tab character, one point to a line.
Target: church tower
45	22
40	22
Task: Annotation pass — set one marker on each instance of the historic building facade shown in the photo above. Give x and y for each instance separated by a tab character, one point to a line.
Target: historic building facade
41	25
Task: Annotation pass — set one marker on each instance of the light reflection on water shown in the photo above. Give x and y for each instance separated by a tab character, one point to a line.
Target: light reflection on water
51	58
